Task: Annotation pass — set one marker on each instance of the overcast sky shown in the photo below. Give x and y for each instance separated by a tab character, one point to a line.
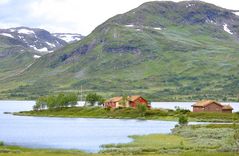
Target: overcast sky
79	16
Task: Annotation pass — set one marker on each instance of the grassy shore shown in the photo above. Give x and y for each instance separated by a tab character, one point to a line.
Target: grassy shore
199	140
130	113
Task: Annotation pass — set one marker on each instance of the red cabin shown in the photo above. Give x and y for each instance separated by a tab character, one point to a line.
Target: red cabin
211	106
130	101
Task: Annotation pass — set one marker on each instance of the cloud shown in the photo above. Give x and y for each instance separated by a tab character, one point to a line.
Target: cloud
2	2
80	16
5	25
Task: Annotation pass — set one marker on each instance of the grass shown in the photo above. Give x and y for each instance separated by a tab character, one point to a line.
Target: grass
213	117
178	63
130	113
98	112
184	141
20	151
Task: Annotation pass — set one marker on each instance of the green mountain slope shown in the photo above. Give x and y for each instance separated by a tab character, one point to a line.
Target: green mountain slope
14	57
165	51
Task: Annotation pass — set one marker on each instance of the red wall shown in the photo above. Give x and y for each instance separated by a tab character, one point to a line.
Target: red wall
213	107
227	111
110	104
198	109
131	103
139	100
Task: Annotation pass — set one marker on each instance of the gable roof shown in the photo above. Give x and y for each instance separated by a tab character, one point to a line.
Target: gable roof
119	98
204	103
133	98
227	107
114	99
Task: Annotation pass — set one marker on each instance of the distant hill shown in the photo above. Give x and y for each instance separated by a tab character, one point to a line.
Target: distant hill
165	51
69	37
34	39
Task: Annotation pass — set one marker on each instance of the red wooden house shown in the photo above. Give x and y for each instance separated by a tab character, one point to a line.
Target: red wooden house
211	106
130	101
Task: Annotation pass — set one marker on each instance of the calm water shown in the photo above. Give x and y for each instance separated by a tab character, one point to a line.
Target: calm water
68	133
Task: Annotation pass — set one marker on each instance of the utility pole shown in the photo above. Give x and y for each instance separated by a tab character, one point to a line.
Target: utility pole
81	93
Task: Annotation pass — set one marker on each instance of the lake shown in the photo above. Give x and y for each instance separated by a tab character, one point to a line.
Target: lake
70	133
85	134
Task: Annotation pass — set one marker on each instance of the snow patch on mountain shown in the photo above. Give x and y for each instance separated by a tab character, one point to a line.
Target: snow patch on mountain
6	34
51	45
227	29
25	31
236	13
210	21
189	5
12	30
68	37
36	56
44	49
158	28
41	49
129	25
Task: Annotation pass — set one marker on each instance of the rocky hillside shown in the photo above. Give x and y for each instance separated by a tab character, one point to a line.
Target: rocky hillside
166	51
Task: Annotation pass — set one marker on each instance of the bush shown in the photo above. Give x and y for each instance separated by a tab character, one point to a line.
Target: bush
183	120
181	110
141	108
1	143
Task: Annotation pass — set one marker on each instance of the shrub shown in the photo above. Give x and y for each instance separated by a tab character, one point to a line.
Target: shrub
236	138
141	108
183	120
180	110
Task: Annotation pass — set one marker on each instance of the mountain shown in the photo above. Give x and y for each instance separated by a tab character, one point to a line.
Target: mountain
69	37
35	39
165	51
20	46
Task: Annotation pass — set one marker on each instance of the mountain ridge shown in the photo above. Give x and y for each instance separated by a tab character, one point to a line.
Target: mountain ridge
166	51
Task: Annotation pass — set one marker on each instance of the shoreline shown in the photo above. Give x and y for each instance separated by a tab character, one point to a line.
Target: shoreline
160	144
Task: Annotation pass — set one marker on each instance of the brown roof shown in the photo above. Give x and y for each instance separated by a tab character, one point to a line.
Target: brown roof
133	98
227	107
204	103
118	98
114	99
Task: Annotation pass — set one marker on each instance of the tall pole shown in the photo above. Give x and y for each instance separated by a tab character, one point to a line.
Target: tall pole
81	93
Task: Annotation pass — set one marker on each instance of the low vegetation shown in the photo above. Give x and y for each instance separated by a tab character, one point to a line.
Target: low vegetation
184	139
131	113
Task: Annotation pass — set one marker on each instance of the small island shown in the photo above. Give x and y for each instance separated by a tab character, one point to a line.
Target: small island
125	107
